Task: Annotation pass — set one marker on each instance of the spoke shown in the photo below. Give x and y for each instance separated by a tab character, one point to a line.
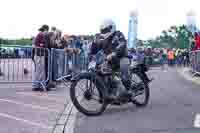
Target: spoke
82	90
95	94
77	97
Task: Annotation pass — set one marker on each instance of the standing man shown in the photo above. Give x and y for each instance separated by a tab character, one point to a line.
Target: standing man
54	43
39	58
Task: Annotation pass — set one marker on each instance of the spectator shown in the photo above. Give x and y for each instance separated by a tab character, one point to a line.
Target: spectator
193	47
187	58
69	52
59	58
55	46
171	57
39	58
178	57
84	53
161	58
197	41
133	54
76	45
149	55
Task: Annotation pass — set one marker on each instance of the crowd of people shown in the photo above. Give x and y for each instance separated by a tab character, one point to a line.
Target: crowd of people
179	57
63	44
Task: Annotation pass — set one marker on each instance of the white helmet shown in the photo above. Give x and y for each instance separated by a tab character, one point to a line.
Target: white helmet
107	27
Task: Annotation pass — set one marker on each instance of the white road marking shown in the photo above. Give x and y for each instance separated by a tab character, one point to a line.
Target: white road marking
197	121
25	121
28	105
39	93
42	96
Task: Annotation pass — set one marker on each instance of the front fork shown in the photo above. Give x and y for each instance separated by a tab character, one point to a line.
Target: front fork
144	77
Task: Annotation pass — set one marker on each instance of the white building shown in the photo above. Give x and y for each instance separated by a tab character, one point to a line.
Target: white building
132	29
191	21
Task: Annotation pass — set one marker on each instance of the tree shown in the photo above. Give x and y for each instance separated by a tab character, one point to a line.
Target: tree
174	37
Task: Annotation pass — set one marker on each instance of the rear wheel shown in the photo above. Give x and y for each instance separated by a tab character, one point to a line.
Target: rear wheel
87	96
142	93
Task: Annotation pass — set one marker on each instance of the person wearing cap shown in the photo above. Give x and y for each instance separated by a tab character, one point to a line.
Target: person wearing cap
39	58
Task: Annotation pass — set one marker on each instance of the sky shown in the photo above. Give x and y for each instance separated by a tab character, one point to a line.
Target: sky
22	18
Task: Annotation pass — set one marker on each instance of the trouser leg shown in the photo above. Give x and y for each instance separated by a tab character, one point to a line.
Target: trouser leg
39	75
124	68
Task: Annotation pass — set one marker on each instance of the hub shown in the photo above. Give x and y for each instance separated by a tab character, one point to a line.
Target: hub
87	95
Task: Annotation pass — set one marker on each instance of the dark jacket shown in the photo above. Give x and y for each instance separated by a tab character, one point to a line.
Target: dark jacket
116	44
94	49
40	39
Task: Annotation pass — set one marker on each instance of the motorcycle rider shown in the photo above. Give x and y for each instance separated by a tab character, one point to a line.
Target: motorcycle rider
114	45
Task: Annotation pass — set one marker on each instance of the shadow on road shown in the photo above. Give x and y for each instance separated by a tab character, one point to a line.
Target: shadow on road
119	109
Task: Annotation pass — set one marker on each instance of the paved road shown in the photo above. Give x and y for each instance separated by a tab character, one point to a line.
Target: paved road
173	106
24	111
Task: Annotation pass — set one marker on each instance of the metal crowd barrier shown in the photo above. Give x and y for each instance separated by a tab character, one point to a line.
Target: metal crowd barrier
20	65
195	62
39	65
63	63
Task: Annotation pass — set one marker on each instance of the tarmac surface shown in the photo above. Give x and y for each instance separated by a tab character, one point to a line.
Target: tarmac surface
174	107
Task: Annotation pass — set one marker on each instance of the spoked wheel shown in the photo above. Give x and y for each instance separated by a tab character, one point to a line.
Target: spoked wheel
87	97
141	91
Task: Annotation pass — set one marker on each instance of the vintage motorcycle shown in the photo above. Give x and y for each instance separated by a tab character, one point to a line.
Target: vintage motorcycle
97	84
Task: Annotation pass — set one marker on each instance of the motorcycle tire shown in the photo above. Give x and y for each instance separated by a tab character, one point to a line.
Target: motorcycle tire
91	77
146	92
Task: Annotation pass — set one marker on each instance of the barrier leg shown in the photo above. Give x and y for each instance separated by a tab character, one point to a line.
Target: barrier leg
1	73
43	86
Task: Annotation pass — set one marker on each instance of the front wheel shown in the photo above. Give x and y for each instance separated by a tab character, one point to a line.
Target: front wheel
142	90
87	95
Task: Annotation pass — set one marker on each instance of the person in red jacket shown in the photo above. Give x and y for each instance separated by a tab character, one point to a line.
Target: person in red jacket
197	41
